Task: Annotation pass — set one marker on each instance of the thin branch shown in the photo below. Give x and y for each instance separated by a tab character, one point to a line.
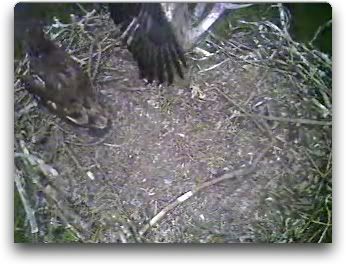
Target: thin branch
97	64
319	30
30	213
91	50
230	175
293	120
214	66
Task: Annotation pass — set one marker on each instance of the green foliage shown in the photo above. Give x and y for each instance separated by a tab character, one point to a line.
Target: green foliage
306	18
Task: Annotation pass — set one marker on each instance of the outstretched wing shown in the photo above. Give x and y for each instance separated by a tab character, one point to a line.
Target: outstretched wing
150	39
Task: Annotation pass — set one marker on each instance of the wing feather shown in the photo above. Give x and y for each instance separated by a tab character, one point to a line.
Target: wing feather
159	49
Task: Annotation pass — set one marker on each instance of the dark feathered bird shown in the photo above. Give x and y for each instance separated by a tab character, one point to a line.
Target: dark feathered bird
158	34
61	85
150	39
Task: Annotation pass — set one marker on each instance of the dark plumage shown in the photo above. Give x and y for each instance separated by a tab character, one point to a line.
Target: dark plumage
156	35
61	85
150	39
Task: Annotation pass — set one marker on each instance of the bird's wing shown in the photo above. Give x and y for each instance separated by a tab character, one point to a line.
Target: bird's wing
150	39
61	85
82	112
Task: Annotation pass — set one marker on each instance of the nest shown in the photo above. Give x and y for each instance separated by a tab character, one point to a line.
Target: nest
217	160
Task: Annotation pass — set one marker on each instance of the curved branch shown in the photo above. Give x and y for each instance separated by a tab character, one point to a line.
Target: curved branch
230	175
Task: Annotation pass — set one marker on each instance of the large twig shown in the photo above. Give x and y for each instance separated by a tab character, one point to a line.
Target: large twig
214	66
230	175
